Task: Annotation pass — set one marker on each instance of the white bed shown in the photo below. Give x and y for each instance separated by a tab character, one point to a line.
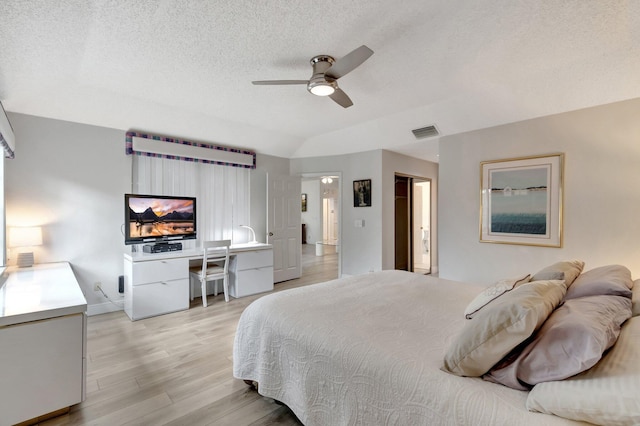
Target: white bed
368	350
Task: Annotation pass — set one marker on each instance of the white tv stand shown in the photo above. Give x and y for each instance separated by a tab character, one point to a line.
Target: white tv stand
158	283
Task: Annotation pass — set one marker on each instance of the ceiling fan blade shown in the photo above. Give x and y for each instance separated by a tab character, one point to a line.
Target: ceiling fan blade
278	82
348	63
341	98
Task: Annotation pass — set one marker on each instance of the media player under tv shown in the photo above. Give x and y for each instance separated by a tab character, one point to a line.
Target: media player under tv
161	248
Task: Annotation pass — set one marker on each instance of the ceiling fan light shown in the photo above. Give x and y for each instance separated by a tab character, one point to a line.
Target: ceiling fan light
322	89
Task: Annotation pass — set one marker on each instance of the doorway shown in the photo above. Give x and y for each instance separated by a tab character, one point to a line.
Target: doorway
321	215
413	224
330	221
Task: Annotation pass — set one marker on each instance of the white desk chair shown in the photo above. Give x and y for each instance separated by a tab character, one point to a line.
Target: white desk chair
215	266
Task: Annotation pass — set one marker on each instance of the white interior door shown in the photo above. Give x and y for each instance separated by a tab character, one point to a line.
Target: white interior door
284	229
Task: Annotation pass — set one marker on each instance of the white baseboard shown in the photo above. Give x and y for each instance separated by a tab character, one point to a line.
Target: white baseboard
103	308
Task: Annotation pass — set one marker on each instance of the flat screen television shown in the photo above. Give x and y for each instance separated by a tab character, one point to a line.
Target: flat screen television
159	218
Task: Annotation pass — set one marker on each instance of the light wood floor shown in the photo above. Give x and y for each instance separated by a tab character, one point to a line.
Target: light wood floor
176	369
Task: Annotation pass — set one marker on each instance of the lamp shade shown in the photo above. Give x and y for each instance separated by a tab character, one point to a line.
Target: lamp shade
25	236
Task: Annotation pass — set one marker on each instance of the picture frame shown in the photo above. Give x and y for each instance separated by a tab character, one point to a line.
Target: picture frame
521	200
304	202
362	193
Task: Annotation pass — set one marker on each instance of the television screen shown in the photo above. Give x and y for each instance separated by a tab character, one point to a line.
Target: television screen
159	218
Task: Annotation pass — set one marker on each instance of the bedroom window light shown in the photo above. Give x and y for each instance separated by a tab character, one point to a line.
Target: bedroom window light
207	182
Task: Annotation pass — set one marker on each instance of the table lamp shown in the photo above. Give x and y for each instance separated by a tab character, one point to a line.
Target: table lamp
25	237
253	233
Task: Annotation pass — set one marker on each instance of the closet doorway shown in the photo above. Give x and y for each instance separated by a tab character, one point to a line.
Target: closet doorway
413	224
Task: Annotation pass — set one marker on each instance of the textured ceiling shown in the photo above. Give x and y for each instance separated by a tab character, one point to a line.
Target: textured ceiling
184	68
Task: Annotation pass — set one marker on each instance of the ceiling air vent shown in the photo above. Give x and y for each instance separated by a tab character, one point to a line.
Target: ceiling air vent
425	132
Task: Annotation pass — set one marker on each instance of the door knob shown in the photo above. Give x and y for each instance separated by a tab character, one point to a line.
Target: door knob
271	234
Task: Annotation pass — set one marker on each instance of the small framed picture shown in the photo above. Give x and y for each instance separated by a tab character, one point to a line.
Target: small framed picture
362	193
304	202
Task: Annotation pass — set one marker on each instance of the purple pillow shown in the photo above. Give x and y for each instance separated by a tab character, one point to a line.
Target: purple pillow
635	298
613	280
571	341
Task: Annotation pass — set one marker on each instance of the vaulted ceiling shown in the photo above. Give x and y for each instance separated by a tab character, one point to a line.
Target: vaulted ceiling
184	68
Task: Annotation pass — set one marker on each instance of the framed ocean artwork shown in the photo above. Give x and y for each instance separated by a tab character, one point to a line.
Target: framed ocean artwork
521	200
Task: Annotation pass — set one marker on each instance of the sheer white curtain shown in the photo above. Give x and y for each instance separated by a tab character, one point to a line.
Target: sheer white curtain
222	193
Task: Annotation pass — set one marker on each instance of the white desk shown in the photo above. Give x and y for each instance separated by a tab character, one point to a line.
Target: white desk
42	341
158	283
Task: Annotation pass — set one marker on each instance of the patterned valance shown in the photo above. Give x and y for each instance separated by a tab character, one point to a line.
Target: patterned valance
179	149
8	150
7	138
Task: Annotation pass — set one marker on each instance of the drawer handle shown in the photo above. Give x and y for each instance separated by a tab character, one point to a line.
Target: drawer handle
163	283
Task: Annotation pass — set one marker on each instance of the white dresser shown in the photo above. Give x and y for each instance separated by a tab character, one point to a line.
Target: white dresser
158	283
42	342
251	272
155	285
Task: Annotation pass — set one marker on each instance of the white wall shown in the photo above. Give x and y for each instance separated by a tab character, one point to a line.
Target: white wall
360	248
71	178
312	218
601	196
370	248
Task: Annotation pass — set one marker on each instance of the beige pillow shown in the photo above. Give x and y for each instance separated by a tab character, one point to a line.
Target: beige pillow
568	270
501	326
607	394
493	292
635	298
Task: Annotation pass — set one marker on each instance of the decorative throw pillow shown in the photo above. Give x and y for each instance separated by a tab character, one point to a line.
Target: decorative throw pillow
568	270
501	326
493	292
635	298
606	394
571	341
614	280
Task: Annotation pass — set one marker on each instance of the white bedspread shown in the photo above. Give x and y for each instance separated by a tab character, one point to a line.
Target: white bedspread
367	350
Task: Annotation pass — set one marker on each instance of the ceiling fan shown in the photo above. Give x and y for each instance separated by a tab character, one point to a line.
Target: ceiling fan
326	72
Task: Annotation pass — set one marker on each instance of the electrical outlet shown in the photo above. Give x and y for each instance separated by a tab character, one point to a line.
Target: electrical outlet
97	286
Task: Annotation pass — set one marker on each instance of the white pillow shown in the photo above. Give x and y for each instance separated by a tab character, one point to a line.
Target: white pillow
607	394
493	292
